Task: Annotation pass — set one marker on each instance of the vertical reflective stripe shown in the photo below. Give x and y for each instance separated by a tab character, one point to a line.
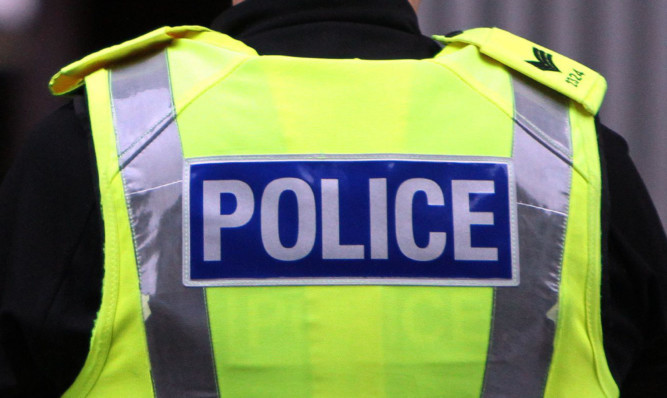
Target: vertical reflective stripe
150	158
524	319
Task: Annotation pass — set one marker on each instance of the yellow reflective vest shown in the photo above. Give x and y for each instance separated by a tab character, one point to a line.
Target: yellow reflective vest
163	105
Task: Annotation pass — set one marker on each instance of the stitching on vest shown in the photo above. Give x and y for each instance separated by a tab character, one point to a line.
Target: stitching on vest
542	208
542	137
154	188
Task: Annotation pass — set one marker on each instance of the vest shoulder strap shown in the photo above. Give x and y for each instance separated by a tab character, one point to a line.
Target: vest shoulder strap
72	76
547	67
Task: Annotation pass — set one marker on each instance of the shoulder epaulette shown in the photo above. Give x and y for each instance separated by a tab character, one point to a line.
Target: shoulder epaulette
547	67
71	77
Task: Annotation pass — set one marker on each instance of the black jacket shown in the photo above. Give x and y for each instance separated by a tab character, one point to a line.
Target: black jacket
51	236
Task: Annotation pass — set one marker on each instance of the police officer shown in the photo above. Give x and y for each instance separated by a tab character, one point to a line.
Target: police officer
371	340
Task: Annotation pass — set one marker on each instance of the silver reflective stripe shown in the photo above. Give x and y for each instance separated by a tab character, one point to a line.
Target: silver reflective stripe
150	157
524	319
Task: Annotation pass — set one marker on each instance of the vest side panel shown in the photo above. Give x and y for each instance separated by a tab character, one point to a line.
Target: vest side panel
117	364
579	353
329	341
583	121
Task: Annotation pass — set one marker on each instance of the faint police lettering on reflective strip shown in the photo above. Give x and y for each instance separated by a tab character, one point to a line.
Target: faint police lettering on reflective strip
463	219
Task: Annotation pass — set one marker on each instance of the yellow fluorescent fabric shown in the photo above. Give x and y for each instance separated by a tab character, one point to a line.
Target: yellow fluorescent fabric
573	79
351	341
71	77
579	354
341	341
326	108
117	364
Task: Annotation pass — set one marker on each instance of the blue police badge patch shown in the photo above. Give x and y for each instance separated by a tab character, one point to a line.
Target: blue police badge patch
349	220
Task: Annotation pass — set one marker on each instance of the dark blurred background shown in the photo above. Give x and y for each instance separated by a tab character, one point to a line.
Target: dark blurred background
625	40
38	37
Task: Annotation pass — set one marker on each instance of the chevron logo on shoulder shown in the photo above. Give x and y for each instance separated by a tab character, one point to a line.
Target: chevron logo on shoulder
544	61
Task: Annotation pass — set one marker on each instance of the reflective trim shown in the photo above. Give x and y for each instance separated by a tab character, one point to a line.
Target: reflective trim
150	158
524	320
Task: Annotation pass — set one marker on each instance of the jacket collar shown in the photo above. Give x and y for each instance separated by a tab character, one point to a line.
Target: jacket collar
372	29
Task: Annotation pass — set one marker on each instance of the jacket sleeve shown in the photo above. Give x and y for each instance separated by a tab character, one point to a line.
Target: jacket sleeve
634	295
50	259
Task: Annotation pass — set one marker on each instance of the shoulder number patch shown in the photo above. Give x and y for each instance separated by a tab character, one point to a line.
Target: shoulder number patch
349	220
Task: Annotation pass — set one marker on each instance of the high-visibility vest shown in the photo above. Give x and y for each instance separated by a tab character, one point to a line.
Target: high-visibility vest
478	274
